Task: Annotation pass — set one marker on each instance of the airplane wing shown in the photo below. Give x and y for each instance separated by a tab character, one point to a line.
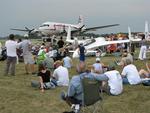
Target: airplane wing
100	42
135	40
99	27
25	30
92	28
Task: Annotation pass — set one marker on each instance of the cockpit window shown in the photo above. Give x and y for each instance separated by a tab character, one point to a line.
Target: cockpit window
45	25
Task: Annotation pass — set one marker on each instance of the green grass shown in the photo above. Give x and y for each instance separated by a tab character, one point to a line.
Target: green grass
17	95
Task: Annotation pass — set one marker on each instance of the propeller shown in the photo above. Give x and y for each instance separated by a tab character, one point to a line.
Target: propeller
82	28
29	30
24	30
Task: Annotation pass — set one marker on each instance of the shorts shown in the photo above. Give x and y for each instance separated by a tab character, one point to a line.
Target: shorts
82	57
125	80
28	59
49	85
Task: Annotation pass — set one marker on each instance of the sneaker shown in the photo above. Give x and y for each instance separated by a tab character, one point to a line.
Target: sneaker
63	95
75	108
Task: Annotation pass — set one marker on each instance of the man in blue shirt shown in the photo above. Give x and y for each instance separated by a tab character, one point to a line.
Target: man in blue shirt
75	91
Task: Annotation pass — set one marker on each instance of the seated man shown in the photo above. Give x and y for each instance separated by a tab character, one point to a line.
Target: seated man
114	84
75	91
130	74
125	55
61	74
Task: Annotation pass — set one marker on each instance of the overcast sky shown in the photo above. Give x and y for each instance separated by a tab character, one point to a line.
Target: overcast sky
32	13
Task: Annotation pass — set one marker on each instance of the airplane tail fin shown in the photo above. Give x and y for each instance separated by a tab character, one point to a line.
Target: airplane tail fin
131	38
68	38
146	30
129	34
80	22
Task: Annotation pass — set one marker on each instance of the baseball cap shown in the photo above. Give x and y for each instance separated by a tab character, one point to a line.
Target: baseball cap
97	59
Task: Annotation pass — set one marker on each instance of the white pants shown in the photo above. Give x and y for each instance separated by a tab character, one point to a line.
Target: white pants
142	54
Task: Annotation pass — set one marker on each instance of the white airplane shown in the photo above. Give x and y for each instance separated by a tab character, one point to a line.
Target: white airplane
91	44
100	41
54	28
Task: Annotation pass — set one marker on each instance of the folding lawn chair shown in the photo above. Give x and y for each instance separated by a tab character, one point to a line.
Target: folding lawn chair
91	95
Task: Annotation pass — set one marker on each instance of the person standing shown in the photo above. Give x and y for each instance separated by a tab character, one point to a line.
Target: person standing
142	54
81	52
60	43
27	55
0	48
11	50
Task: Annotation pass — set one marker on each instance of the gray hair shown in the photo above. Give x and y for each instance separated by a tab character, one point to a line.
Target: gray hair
128	61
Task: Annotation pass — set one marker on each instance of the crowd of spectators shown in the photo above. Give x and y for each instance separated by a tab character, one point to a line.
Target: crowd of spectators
54	65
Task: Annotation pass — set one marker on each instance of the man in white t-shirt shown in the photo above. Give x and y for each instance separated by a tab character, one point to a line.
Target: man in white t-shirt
61	74
130	74
11	47
115	86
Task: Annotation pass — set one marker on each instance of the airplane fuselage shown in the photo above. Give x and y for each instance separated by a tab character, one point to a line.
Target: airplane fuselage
53	28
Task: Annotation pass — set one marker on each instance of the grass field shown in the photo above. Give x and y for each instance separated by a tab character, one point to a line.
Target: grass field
17	95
